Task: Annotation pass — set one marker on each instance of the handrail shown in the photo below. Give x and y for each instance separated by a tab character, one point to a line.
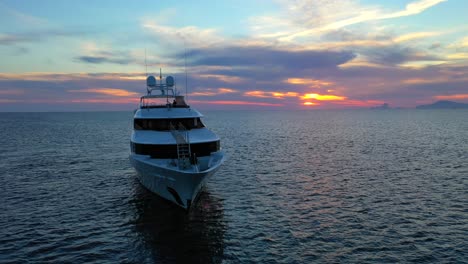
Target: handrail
184	153
180	135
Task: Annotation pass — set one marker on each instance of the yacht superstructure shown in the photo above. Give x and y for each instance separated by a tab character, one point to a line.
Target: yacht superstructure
171	149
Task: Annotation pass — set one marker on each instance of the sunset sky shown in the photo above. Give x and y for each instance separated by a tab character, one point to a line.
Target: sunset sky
63	55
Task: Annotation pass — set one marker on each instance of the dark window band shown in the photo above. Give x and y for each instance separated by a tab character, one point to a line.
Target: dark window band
164	124
170	151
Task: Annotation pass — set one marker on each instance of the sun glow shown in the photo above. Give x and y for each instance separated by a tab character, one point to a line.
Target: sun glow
323	97
277	95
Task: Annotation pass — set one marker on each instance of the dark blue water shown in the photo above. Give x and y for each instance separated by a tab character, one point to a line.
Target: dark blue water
298	187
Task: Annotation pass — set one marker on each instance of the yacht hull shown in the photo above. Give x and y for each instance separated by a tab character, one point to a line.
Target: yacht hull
178	186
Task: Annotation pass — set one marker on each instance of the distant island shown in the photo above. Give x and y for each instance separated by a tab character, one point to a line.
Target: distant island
381	107
443	105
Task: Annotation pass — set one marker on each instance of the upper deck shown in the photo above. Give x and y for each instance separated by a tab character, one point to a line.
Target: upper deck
166	112
162	101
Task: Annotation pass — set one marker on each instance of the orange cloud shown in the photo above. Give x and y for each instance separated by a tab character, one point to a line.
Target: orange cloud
452	97
11	92
436	79
226	90
310	104
357	103
288	94
133	78
6	101
212	92
52	101
277	95
307	81
422	81
235	103
107	101
458	56
39	76
361	61
323	97
224	78
47	76
416	35
203	94
106	91
420	64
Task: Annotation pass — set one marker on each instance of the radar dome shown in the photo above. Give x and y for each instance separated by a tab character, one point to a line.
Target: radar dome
170	81
151	81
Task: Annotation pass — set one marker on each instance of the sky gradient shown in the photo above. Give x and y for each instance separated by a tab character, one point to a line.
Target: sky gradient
62	55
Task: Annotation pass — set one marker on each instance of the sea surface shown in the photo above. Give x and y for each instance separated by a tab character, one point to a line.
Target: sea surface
357	186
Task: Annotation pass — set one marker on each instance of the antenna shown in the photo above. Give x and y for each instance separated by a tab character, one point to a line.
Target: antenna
146	65
185	66
167	88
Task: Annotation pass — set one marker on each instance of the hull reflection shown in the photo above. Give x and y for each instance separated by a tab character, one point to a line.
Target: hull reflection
171	235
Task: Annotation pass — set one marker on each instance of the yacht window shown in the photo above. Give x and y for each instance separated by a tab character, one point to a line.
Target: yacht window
170	151
164	124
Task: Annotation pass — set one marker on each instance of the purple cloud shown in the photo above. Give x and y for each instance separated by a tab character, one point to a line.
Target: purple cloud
102	59
267	57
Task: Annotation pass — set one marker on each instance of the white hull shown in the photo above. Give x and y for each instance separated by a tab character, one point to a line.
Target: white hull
168	181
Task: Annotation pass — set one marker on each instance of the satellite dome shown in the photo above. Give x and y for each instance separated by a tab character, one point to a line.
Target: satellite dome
151	81
170	81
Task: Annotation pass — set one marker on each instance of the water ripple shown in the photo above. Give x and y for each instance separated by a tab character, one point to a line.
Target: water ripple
298	187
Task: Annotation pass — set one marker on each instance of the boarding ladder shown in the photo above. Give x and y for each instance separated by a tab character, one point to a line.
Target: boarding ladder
181	137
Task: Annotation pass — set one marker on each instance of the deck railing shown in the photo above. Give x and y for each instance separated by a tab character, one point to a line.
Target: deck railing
182	139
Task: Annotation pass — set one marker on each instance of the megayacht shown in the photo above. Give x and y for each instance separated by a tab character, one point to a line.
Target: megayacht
171	149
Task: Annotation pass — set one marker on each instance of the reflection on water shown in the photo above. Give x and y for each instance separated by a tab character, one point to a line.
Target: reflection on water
170	234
